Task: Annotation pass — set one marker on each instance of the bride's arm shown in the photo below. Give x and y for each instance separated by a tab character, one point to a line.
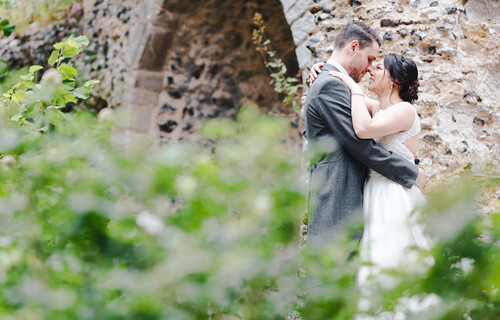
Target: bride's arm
372	105
397	118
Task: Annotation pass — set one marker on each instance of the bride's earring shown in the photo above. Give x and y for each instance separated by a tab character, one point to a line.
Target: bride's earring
392	85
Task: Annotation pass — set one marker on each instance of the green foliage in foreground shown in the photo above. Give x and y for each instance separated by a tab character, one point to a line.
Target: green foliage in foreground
182	232
208	230
185	231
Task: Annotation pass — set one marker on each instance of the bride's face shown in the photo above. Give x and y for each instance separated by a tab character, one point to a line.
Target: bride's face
380	79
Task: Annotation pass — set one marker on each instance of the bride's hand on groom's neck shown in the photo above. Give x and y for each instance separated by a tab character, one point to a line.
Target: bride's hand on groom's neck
314	72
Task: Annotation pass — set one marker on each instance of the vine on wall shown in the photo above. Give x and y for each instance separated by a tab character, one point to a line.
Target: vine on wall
283	84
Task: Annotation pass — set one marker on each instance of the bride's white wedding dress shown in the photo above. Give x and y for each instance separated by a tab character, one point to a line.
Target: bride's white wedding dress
391	227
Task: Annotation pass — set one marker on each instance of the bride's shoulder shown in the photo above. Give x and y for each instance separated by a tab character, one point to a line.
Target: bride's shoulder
405	107
402	111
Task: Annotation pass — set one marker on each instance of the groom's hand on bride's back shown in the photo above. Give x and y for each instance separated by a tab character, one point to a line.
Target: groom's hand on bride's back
314	71
422	179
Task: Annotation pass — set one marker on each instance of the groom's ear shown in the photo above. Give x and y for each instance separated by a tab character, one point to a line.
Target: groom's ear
353	46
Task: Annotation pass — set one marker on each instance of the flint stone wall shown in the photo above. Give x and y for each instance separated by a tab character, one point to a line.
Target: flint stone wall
457	50
174	65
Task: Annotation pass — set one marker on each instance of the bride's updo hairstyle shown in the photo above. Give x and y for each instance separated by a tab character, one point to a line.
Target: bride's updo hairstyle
404	73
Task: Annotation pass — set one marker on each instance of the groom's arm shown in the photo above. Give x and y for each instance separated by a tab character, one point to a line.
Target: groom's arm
334	103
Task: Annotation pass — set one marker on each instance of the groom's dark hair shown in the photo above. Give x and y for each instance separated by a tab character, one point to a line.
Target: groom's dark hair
356	30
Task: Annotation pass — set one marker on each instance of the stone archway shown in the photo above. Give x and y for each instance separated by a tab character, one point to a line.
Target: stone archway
197	62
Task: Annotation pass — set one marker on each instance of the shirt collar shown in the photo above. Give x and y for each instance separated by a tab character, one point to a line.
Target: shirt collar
338	66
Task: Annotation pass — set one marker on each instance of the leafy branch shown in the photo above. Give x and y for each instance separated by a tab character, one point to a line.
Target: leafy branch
56	88
277	69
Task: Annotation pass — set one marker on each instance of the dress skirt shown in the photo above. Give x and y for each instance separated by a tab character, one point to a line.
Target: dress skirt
391	226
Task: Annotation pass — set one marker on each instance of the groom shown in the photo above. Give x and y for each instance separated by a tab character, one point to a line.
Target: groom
340	159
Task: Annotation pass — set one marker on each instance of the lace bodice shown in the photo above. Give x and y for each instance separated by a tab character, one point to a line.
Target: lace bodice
395	142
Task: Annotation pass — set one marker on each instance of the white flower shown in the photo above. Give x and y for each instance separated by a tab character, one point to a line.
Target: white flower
149	222
466	264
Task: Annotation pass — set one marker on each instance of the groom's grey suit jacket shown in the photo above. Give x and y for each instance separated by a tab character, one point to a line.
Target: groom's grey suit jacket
340	161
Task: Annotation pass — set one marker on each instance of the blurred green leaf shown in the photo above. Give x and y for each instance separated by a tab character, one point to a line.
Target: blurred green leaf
6	27
88	84
59	45
82	93
54	56
71	98
70	49
28	77
70	52
82	41
68	71
35	68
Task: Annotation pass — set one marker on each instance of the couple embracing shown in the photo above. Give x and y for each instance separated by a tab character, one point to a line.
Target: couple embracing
365	151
